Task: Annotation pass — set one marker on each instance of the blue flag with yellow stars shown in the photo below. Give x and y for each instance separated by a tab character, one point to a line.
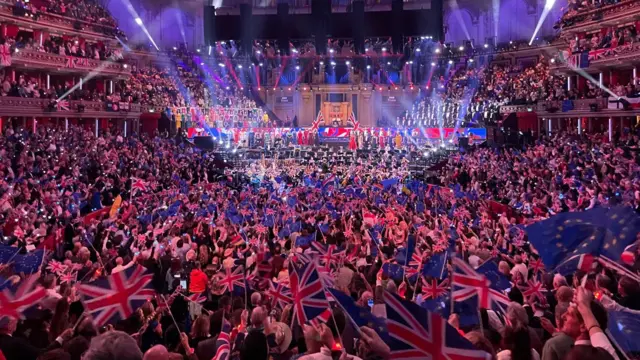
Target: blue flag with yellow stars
359	315
28	262
599	232
623	327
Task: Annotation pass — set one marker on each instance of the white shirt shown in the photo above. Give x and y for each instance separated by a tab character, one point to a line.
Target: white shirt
522	268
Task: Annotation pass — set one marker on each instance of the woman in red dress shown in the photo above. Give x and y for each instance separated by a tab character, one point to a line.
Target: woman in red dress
352	141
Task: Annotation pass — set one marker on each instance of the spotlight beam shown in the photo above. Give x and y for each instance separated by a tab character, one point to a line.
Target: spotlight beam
547	9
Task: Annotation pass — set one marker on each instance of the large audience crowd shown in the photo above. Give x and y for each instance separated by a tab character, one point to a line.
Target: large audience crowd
190	230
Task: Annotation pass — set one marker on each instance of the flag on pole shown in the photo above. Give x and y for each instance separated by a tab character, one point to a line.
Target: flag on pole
316	123
117	296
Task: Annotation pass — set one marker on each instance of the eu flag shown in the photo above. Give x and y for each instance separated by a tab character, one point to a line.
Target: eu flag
359	315
28	263
624	326
467	310
599	232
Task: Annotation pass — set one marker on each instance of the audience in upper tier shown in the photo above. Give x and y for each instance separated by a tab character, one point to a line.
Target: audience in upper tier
89	11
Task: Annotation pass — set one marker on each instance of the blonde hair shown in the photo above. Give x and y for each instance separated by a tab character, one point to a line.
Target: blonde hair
200	327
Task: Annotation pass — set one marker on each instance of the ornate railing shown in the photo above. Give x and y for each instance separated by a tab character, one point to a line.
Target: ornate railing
42	60
45	20
556	106
18	106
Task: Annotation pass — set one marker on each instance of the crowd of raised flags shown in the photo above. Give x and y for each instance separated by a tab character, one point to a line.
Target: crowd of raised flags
117	226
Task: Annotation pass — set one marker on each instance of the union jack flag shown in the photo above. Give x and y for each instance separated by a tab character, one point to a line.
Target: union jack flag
536	266
307	292
353	122
416	258
138	185
419	334
62	105
533	290
433	289
316	123
68	277
231	280
328	255
223	343
261	229
13	304
56	267
197	298
323	318
280	294
117	296
471	283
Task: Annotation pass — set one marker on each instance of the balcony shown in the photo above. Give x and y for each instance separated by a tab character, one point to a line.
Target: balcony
68	64
581	108
621	57
611	15
262	7
57	24
30	107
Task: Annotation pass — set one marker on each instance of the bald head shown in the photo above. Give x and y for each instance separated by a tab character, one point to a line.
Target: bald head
258	315
158	352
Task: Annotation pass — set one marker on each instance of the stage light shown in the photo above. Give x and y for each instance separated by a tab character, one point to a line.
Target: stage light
260	64
321	62
396	88
366	49
348	63
234	150
461	48
553	61
510	42
258	52
201	64
486	46
368	66
139	21
388	63
450	62
239	66
304	88
418	50
470	60
331	51
384	49
274	89
333	63
258	89
241	88
17	50
221	53
198	50
227	88
297	67
175	48
295	51
125	66
289	89
425	154
437	51
433	64
221	64
210	47
411	62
